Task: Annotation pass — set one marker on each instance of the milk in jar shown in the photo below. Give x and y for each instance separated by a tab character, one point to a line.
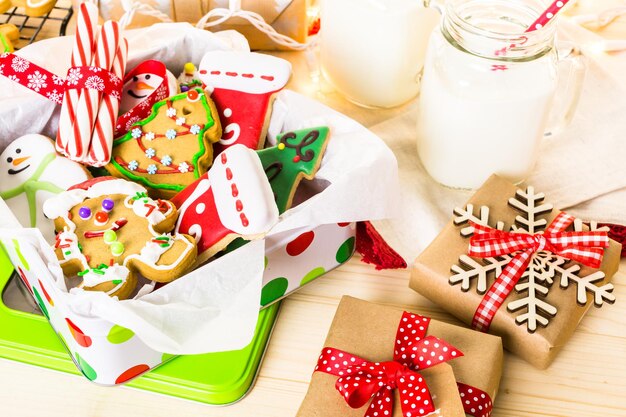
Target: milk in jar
484	105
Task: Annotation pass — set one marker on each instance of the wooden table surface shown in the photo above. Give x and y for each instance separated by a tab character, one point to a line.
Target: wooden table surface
587	379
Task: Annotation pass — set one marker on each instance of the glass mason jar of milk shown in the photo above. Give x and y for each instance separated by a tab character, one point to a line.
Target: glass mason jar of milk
372	51
487	91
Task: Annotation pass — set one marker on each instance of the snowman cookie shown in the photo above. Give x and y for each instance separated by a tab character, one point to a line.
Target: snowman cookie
244	85
172	147
146	84
109	230
234	199
31	172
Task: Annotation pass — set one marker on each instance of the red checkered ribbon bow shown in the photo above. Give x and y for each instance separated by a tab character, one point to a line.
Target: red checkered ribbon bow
585	247
359	380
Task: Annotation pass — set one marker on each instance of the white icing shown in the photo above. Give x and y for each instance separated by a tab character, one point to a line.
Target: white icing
235	129
200	208
141	210
244	63
202	187
228	112
196	231
151	253
67	237
255	192
115	272
59	205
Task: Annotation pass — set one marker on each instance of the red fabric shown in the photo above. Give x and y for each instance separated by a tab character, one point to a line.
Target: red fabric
618	234
360	380
374	250
583	247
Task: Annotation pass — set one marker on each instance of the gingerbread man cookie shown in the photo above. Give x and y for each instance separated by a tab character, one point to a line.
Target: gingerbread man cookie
172	147
109	230
30	173
234	199
244	85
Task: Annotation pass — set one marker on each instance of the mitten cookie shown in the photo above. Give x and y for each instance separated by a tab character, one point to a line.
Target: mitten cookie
233	200
30	173
172	147
244	85
109	230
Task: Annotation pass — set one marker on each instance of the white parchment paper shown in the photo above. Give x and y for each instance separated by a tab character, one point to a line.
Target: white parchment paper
215	307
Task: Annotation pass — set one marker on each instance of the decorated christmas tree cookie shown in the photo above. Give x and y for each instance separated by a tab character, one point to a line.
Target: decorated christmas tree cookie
244	85
30	173
172	147
297	155
109	230
234	199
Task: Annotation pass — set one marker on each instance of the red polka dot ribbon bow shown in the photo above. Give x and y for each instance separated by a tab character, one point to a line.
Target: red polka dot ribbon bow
585	247
359	380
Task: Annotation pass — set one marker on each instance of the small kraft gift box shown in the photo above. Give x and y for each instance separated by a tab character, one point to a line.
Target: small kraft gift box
510	264
381	361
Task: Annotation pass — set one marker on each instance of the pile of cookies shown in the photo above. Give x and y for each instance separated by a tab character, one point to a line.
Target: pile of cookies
190	175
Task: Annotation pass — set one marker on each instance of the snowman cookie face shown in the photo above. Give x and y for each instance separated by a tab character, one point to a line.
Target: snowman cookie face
110	230
138	88
22	157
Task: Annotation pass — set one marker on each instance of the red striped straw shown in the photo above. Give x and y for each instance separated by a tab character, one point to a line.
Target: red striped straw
547	15
104	131
87	107
82	54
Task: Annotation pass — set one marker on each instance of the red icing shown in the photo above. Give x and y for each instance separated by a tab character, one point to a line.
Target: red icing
117	225
131	373
22	275
224	158
45	294
212	72
229	174
231	74
247	75
300	244
191	94
238	205
296	159
244	220
343	224
202	72
78	335
250	117
209	221
267	77
235	190
87	184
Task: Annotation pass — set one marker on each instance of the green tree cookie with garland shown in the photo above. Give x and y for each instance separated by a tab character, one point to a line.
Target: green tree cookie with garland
297	155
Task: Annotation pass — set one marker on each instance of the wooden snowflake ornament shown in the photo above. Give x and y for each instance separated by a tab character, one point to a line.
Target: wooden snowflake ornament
544	267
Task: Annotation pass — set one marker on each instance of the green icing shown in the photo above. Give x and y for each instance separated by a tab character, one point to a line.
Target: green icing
42	306
87	370
119	334
345	250
296	154
5	45
311	275
30	188
166	357
155	110
273	290
16	245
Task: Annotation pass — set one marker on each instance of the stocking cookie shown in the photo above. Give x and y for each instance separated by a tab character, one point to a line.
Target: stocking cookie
109	230
244	85
172	147
30	173
297	155
234	199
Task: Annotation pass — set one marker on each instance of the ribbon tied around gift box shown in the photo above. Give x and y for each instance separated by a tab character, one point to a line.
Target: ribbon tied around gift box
585	247
361	380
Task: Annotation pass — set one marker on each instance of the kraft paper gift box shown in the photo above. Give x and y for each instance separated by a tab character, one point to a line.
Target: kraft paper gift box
540	314
286	17
370	332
